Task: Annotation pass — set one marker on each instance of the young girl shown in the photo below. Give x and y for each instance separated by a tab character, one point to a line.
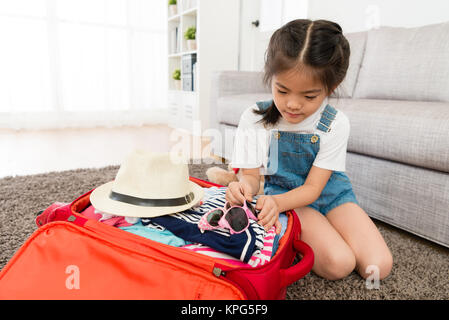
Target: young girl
303	153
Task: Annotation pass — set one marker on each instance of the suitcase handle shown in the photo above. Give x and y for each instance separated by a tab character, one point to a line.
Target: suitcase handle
303	267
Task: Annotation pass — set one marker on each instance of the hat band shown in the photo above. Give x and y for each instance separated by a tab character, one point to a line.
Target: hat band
173	202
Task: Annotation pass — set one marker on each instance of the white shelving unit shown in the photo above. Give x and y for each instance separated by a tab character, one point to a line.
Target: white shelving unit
217	28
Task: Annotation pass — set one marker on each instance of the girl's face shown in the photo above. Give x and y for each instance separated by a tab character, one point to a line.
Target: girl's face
297	95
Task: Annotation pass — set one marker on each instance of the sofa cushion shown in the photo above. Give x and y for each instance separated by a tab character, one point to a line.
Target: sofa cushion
230	108
406	64
411	132
357	42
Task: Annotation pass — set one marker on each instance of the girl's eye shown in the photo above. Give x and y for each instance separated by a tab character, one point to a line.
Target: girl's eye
310	98
282	92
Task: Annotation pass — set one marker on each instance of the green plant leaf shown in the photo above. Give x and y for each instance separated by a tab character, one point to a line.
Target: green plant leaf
177	74
190	33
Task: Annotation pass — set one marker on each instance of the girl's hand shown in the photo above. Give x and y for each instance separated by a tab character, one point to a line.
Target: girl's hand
238	192
269	213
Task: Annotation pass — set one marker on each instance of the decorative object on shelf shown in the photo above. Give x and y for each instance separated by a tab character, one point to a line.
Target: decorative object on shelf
190	36
172	7
177	78
187	63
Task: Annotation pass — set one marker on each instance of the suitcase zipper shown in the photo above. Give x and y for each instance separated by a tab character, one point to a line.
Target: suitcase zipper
219	273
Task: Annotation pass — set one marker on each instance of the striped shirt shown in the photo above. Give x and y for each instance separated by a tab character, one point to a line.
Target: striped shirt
185	225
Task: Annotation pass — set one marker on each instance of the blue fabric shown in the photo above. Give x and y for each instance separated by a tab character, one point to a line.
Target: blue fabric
185	225
283	219
157	234
290	158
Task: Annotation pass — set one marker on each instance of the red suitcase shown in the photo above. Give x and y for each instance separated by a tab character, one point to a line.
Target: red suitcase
72	257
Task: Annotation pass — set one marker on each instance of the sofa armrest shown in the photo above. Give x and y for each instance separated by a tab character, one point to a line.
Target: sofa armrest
227	83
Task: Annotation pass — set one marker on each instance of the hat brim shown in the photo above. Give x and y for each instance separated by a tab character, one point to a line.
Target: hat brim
101	201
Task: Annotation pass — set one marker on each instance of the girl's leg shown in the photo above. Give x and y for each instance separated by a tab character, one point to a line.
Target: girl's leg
361	234
334	259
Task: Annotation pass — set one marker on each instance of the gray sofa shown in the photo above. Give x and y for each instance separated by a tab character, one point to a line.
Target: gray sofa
396	95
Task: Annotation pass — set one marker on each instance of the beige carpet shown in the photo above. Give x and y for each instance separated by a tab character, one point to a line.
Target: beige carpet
420	271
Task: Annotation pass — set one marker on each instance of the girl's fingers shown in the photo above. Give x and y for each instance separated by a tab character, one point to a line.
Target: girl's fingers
272	221
238	195
231	198
268	218
262	216
247	193
259	204
233	194
263	220
278	226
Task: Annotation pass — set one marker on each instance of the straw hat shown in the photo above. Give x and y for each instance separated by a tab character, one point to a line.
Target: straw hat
148	185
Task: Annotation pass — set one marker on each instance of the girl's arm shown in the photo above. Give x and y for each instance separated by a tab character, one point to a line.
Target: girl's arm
251	177
306	194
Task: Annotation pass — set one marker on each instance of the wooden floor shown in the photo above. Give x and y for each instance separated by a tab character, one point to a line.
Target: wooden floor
31	152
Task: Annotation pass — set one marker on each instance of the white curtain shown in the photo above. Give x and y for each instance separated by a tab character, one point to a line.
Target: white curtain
78	63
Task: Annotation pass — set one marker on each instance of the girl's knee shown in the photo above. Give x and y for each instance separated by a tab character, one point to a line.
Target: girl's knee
337	265
379	266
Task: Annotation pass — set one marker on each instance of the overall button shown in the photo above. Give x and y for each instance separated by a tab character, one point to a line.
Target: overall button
314	139
277	135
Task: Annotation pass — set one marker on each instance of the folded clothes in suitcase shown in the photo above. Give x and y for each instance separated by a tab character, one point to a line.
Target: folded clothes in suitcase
72	257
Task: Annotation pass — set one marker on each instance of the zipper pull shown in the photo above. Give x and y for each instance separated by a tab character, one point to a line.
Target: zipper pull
218	272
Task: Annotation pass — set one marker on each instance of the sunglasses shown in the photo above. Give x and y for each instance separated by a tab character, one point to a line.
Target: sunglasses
234	218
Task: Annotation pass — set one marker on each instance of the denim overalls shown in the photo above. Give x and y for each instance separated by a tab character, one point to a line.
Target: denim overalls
290	158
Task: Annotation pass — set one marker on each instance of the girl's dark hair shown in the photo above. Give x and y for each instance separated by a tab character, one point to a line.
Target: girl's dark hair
317	47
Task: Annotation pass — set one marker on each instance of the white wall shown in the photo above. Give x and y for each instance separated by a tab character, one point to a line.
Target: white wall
352	15
360	15
271	14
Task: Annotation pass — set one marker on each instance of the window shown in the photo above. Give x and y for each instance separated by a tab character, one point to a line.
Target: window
78	62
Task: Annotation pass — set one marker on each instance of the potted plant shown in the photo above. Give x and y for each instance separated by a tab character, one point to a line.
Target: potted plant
177	77
190	36
172	7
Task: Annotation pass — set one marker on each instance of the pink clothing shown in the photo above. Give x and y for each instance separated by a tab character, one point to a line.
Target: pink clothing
259	258
208	251
109	219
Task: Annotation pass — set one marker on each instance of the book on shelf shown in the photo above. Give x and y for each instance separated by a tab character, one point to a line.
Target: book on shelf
188	67
194	84
175	40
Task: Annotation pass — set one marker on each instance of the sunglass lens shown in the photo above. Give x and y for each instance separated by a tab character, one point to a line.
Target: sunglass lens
237	219
214	217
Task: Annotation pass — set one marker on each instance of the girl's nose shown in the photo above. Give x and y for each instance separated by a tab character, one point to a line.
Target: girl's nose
294	105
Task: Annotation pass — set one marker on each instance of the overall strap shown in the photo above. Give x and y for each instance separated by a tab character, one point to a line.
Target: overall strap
327	116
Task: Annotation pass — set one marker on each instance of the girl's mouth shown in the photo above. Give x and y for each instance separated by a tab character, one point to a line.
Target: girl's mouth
293	115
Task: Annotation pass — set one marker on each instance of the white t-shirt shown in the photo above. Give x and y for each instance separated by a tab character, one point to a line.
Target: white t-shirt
252	140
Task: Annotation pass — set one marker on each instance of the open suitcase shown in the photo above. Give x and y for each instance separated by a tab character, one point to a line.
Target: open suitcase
73	257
